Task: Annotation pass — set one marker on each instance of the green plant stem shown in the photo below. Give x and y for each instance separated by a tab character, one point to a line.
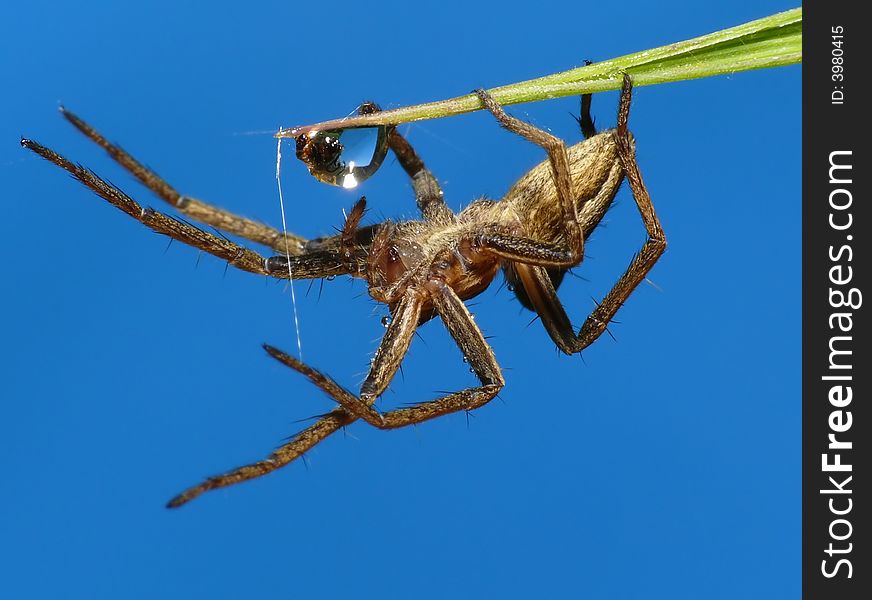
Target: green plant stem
772	41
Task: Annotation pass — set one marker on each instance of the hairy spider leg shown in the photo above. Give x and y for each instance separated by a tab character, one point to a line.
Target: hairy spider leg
197	210
463	330
538	285
280	457
653	247
427	191
221	247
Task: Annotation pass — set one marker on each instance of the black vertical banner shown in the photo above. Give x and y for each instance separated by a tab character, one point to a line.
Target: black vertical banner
837	562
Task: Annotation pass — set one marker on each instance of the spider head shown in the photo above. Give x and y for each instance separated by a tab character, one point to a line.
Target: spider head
393	256
412	254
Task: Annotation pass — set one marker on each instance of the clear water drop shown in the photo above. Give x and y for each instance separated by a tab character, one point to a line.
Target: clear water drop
343	157
385	321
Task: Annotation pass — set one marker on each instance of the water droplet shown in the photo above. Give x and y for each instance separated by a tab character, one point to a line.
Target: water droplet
385	321
330	277
511	287
466	360
343	157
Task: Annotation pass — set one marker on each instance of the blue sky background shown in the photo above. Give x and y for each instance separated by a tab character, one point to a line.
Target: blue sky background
666	464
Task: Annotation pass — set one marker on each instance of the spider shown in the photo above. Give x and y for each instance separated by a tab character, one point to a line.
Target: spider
427	267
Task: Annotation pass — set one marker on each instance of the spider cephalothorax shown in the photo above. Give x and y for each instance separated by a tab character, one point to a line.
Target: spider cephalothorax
428	267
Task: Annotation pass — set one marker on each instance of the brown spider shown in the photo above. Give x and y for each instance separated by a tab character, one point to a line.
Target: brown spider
425	268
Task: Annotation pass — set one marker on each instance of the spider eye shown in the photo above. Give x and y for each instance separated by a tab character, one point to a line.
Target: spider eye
343	157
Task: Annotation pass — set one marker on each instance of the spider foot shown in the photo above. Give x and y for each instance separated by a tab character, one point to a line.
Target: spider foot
490	104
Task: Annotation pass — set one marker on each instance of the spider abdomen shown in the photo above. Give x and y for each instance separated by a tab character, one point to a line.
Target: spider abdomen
596	175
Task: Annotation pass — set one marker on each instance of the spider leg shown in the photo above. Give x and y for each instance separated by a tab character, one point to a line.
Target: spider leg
428	194
527	250
538	285
654	246
341	254
236	255
515	248
385	363
301	443
466	334
391	351
191	207
311	265
529	271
